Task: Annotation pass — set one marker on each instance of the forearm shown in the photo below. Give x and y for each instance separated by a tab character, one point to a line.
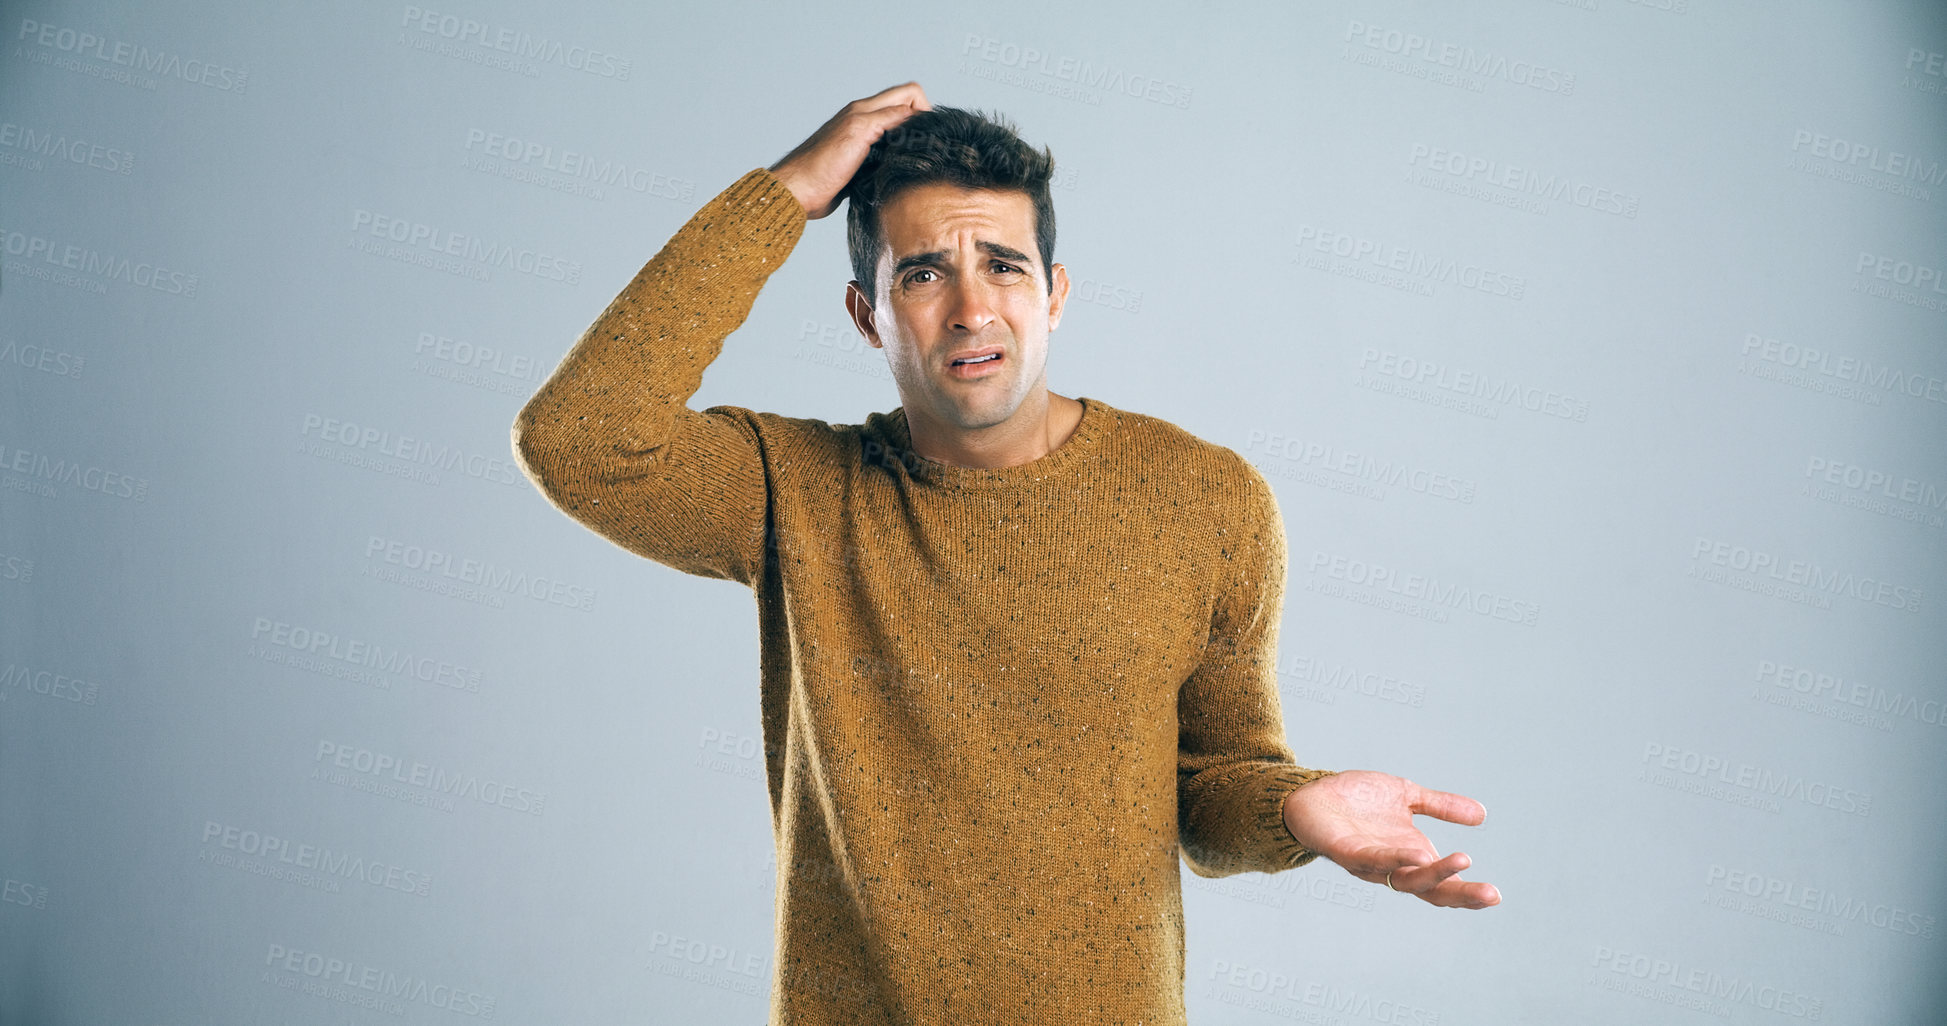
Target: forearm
617	393
1234	769
609	439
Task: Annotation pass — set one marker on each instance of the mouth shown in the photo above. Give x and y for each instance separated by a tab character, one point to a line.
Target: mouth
976	362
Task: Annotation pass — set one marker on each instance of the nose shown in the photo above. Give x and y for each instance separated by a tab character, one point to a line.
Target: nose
972	306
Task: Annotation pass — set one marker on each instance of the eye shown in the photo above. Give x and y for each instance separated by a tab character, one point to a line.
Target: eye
1010	267
911	278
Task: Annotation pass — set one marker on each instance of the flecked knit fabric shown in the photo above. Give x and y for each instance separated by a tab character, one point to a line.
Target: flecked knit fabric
996	703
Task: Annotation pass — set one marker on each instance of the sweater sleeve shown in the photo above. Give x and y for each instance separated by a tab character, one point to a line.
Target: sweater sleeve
1234	769
609	438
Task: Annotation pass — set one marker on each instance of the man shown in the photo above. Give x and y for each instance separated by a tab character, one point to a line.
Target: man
1017	649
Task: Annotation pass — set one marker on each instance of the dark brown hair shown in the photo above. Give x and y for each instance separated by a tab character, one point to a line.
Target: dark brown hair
946	144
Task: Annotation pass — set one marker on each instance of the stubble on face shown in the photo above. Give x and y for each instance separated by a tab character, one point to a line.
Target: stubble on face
961	273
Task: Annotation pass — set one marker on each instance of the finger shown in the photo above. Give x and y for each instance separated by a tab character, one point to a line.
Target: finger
1457	893
1419	879
886	117
1374	863
1424	879
894	96
1454	808
872	125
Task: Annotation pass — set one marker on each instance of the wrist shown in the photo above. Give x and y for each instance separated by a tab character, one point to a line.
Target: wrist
794	186
1290	809
1290	801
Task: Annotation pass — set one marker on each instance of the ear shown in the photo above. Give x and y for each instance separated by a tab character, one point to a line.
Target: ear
1058	299
862	314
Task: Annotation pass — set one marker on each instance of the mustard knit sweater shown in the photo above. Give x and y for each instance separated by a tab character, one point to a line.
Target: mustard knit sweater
996	704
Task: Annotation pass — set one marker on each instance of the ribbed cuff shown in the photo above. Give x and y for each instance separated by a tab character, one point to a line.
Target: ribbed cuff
1268	812
764	202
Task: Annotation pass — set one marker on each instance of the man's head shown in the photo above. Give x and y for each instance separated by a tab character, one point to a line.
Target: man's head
945	144
952	237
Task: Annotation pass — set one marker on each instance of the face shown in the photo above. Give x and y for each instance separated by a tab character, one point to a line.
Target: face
961	276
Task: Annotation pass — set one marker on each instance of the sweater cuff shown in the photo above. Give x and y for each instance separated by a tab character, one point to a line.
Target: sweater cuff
1268	812
765	202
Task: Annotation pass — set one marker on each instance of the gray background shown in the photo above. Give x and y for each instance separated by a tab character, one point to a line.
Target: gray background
1684	403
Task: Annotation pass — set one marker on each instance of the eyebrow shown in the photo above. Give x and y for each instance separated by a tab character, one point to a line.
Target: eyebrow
938	257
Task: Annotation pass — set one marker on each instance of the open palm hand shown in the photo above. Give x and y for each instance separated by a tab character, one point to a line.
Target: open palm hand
1363	821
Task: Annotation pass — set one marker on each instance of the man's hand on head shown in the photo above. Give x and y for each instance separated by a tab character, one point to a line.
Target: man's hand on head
1363	821
819	168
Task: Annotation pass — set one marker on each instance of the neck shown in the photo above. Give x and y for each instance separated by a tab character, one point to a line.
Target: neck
1043	421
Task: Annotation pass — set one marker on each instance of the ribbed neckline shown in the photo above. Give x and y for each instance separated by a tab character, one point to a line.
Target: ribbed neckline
1098	419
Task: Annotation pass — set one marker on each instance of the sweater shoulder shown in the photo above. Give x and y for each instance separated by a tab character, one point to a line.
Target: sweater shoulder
1225	477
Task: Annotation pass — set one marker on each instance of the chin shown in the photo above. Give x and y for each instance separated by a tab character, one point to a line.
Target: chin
986	410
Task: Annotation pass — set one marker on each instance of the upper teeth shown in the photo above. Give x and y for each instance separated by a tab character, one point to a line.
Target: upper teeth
977	359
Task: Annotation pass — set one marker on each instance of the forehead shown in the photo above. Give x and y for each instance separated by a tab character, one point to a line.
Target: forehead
940	215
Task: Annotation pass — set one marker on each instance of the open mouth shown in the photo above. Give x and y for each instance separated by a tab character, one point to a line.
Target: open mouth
980	365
